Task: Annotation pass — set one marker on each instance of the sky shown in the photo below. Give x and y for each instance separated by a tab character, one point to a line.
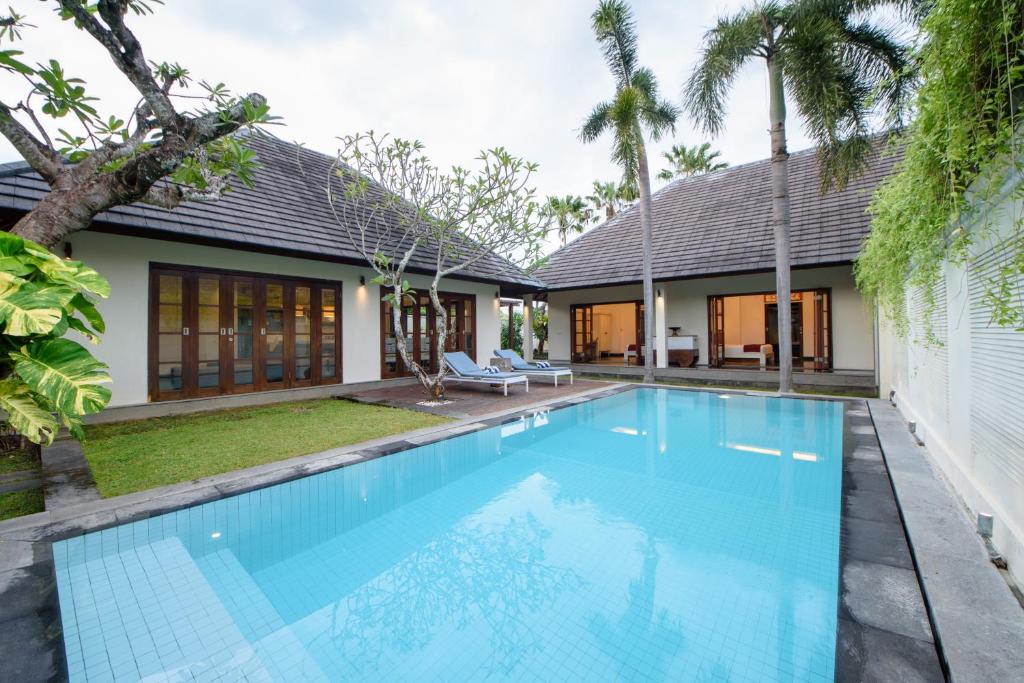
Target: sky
459	75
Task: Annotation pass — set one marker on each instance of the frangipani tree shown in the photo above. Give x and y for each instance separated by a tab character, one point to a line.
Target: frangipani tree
843	72
690	161
93	161
635	109
393	204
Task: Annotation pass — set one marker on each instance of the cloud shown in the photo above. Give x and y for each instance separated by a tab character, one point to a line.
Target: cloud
460	75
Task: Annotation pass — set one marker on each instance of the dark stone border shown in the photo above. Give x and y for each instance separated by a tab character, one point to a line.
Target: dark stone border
879	636
884	632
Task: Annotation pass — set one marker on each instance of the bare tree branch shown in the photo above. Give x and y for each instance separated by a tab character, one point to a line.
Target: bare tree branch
42	158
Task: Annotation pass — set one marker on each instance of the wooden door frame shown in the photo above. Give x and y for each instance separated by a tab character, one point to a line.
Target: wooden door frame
716	338
153	336
190	276
827	291
447	298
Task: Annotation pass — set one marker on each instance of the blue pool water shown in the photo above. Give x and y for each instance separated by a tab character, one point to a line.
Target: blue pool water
651	535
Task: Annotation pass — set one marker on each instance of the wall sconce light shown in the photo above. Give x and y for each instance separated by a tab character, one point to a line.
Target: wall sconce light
497	294
67	251
659	293
362	280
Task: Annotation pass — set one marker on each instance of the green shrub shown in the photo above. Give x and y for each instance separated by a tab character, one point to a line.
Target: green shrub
45	379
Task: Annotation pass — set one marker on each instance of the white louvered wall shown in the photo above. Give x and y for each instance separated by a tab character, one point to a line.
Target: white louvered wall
997	385
964	386
928	357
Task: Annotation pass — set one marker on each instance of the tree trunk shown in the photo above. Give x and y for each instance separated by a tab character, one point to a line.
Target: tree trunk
646	239
780	220
432	385
62	212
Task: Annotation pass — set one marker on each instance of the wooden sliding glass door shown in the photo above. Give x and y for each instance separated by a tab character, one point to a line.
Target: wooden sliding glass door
215	333
419	321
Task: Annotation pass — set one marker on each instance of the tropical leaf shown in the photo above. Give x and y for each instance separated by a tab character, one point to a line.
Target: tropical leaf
75	426
26	309
11	245
29	418
73	273
83	329
14	266
64	372
87	308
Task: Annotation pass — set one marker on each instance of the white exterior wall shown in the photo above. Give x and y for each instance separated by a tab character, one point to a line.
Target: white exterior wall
965	389
125	262
686	303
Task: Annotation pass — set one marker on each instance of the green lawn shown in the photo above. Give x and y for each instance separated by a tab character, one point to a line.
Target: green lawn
17	461
132	456
20	503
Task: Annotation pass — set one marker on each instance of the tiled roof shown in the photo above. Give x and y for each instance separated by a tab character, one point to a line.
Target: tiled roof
721	223
284	212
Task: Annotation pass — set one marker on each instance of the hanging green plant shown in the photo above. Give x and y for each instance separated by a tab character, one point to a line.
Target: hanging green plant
959	153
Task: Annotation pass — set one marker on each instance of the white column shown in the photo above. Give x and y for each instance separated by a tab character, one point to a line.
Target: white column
528	327
660	325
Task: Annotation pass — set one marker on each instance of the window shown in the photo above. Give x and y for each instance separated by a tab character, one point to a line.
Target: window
220	333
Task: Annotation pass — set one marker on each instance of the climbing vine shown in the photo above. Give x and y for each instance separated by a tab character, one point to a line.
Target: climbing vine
959	153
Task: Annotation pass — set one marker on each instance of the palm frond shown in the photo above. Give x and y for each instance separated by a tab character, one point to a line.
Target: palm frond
841	74
615	29
882	62
727	47
832	98
657	115
597	122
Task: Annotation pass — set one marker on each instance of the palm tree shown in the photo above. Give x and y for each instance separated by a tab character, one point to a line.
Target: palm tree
609	198
690	161
636	106
840	69
571	214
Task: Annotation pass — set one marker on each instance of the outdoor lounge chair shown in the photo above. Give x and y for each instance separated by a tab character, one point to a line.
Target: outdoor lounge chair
465	370
520	365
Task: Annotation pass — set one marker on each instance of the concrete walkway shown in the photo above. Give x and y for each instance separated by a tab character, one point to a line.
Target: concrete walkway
67	479
976	618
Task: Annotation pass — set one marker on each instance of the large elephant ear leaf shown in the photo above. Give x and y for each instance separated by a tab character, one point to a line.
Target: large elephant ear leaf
11	245
26	309
26	416
73	273
88	310
64	372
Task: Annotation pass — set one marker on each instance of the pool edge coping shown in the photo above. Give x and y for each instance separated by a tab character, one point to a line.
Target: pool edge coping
39	535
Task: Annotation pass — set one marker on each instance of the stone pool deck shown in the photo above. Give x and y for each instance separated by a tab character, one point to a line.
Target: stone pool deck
885	628
977	619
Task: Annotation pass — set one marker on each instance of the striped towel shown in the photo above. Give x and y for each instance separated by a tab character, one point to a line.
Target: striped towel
492	370
543	364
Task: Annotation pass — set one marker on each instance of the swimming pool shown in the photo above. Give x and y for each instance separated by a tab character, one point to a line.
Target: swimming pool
652	535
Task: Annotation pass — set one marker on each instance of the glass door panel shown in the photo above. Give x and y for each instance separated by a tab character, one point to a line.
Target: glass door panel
328	335
466	328
390	362
171	335
425	335
302	345
244	319
208	334
272	332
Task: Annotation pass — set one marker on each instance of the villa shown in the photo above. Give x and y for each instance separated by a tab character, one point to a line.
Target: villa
261	292
257	292
714	281
625	531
